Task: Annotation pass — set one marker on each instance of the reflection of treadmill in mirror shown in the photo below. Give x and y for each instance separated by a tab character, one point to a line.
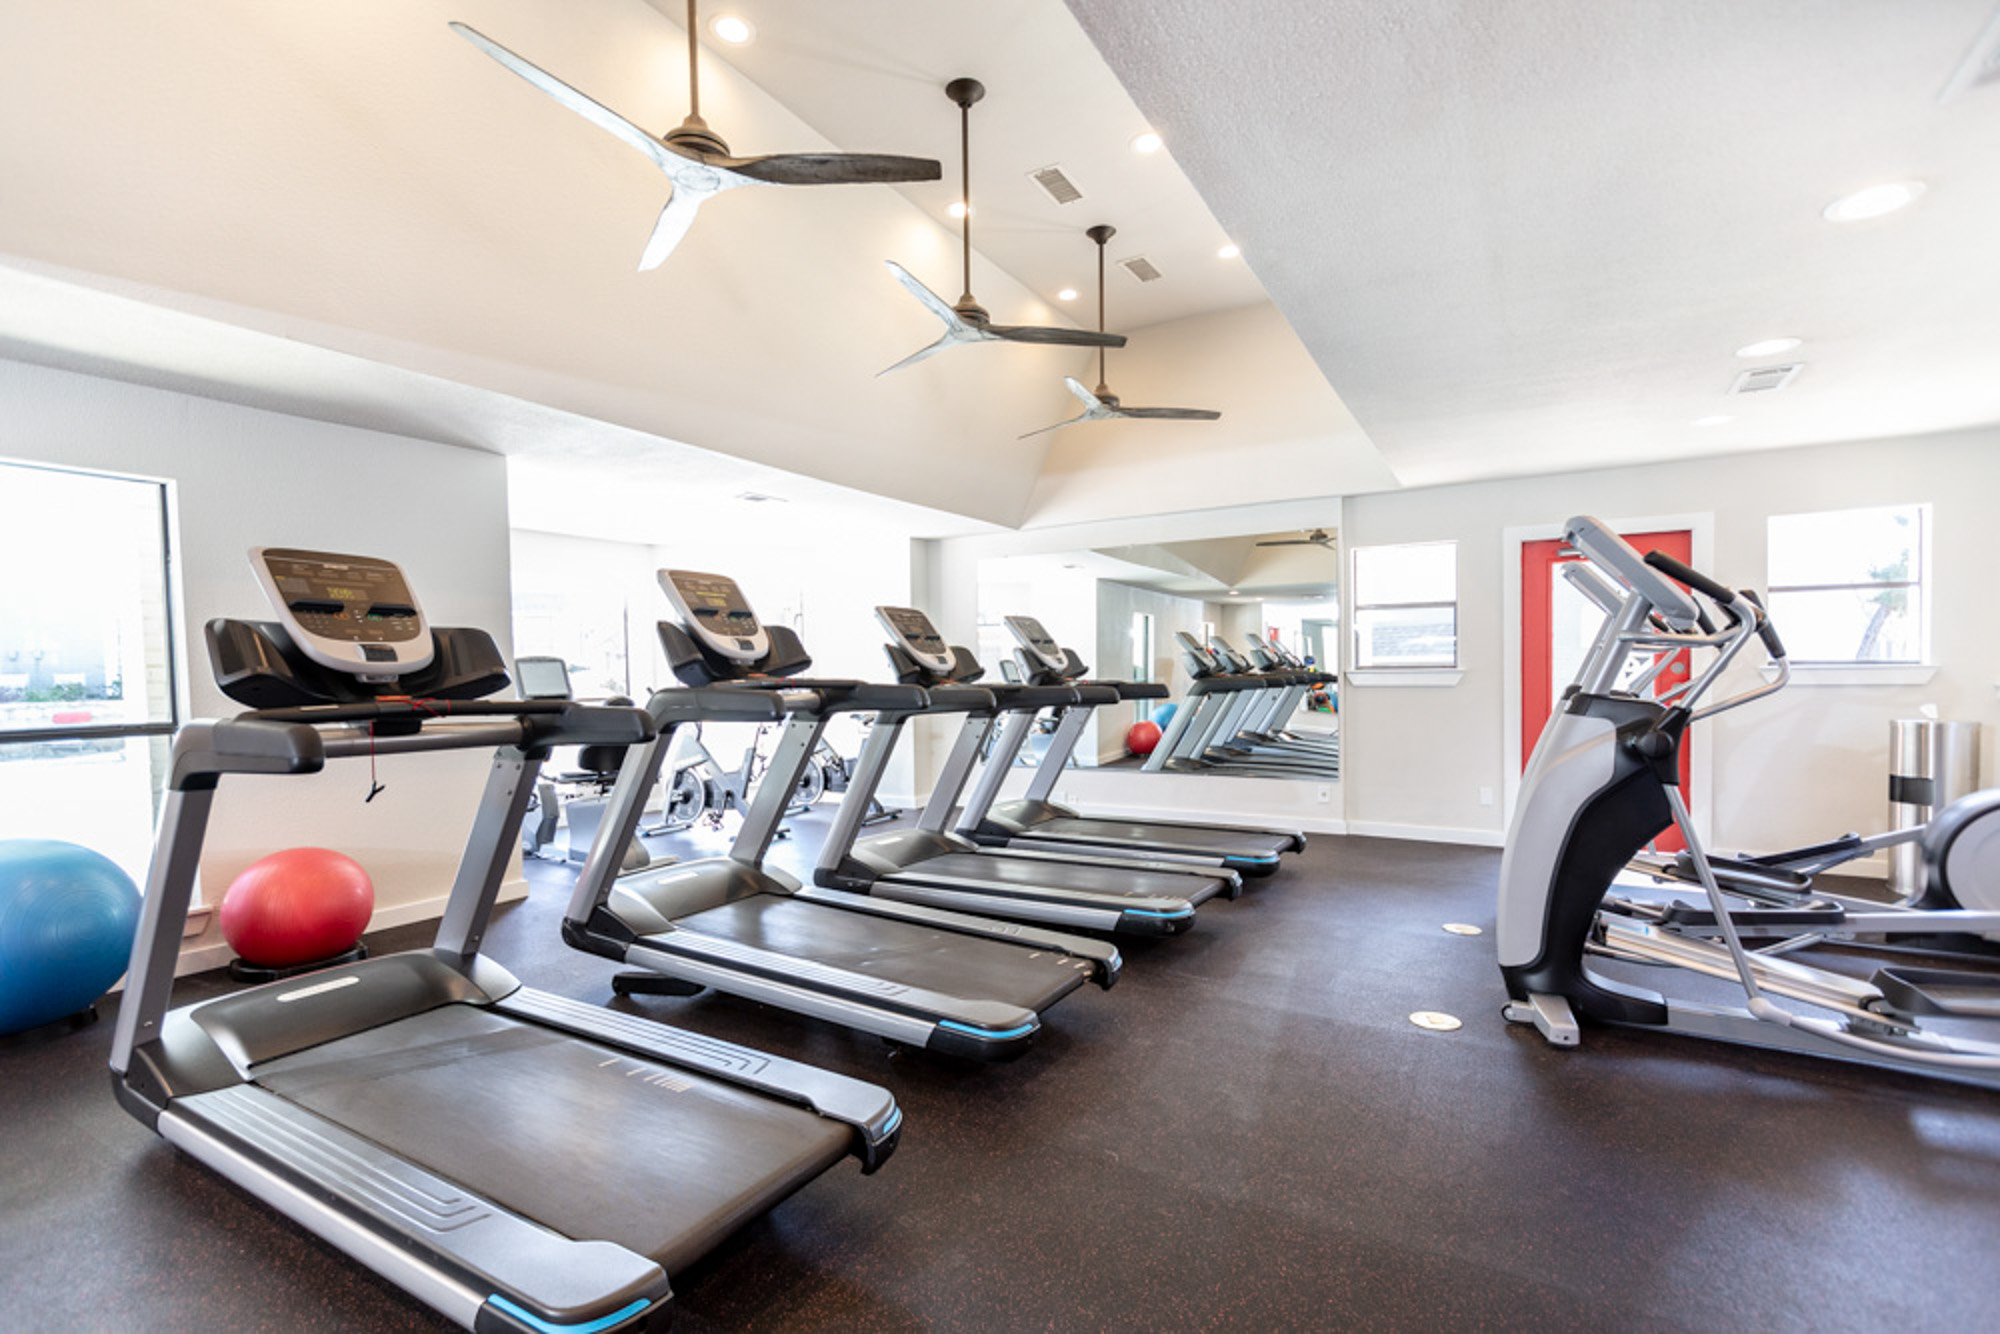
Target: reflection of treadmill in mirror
945	981
1035	821
512	1158
930	864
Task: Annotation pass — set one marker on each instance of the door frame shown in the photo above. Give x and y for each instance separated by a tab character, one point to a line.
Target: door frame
1700	528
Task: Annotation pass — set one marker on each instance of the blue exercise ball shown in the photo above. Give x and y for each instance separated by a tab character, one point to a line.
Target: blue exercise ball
67	917
1164	715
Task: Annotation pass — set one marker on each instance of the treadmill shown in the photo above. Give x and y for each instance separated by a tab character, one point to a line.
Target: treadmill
944	981
1223	700
1035	821
513	1159
930	864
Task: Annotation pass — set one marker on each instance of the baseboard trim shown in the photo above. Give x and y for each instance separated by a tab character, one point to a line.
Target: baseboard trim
217	954
1425	833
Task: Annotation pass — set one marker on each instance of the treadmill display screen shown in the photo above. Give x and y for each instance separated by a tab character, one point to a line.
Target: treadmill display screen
918	635
1036	640
715	609
542	678
347	598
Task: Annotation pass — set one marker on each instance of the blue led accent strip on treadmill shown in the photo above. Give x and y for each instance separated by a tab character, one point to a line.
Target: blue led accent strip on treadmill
533	1321
895	1119
1158	912
957	1027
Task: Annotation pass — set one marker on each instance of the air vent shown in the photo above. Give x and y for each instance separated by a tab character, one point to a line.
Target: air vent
1764	379
1980	67
759	498
1060	187
1141	268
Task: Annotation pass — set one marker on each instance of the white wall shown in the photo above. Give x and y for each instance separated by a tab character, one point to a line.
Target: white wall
1805	764
243	478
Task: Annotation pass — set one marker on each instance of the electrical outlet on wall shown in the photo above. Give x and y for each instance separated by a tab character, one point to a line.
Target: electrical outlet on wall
1485	796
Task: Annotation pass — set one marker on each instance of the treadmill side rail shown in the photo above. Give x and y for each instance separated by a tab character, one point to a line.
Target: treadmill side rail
436	1240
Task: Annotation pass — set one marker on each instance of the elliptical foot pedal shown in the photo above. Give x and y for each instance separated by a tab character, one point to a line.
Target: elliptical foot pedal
1939	991
1550	1015
653	984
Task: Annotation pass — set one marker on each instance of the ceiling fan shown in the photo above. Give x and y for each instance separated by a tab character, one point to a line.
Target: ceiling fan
966	321
1103	405
695	158
1318	537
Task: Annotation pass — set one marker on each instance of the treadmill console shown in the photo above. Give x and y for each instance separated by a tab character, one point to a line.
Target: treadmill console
1039	643
916	636
717	614
354	614
542	678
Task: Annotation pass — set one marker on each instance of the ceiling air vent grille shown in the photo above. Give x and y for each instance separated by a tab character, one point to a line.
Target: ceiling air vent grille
1141	268
1764	379
1060	188
759	498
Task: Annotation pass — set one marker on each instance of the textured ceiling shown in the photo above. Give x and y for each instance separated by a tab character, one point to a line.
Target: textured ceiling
1523	237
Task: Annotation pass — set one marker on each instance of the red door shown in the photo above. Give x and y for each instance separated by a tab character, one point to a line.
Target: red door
1557	624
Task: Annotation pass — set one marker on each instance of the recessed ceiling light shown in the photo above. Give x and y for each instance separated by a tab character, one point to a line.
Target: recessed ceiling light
1067	294
1768	347
1148	142
731	29
1232	591
958	208
1873	202
1716	420
1230	251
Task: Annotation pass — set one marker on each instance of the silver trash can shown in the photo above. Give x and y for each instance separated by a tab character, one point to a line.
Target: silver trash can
1931	765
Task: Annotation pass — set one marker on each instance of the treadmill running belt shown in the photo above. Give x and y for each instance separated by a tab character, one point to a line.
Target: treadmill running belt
917	956
579	1137
1023	873
1224	842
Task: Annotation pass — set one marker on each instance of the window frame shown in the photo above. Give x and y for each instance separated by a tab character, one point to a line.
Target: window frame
175	683
1922	584
1358	607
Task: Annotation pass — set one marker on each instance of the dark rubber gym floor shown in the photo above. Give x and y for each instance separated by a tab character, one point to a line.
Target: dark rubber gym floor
1246	1132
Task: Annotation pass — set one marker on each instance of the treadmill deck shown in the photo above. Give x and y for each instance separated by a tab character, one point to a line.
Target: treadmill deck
582	1138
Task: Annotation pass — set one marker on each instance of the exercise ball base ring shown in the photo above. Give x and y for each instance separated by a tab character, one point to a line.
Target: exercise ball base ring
244	971
55	1028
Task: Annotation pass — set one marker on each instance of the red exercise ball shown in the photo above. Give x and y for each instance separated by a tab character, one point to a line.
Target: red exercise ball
1140	738
297	906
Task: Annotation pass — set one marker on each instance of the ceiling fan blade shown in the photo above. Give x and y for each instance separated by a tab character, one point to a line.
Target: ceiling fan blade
934	303
920	354
1091	402
675	219
1037	333
832	168
1085	416
1170	414
593	111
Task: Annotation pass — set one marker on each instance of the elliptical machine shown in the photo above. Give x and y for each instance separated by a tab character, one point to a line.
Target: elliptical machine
1603	782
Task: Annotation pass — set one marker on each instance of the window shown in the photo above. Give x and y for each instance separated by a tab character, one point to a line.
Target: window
1847	586
87	680
1406	605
